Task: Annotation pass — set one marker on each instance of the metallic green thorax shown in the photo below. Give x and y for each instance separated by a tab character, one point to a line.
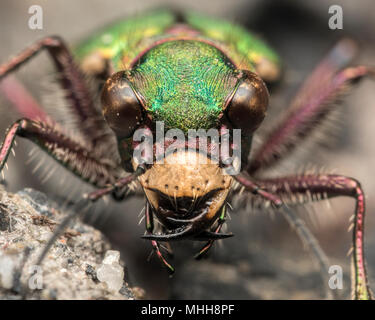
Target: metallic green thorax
184	83
183	74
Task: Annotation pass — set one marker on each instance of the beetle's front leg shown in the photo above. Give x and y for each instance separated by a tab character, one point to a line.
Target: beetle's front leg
311	106
331	186
72	80
120	184
63	149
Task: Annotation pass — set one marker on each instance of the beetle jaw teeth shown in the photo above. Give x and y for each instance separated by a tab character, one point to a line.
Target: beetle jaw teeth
185	210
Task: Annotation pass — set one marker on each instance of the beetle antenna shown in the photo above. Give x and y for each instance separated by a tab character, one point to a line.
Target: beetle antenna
312	243
61	227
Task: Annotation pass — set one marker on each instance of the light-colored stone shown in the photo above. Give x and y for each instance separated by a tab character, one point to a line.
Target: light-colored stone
111	272
70	269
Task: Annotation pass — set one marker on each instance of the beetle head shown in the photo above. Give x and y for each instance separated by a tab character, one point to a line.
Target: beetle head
186	185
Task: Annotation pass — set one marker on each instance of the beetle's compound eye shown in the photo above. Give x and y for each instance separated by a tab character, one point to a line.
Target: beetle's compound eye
120	106
247	106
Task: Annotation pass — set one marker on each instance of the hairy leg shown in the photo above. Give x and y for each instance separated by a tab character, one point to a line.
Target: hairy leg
310	107
120	184
321	186
269	196
91	123
64	150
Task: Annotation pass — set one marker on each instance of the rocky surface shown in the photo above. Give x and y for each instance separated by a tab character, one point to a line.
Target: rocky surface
80	264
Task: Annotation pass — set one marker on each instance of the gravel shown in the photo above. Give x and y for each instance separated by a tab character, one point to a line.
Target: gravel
80	264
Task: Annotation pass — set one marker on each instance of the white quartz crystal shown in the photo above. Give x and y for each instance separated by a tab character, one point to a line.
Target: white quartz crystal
110	271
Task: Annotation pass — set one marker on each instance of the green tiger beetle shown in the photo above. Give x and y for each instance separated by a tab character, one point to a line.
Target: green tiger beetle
187	71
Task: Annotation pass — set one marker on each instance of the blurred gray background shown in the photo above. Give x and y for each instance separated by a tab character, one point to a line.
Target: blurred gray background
265	260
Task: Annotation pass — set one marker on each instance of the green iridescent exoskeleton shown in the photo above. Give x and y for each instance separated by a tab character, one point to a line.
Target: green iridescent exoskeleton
188	71
184	83
183	74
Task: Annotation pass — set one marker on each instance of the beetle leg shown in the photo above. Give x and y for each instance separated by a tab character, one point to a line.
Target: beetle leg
303	232
332	186
249	185
70	154
64	150
149	229
91	123
119	185
310	107
203	251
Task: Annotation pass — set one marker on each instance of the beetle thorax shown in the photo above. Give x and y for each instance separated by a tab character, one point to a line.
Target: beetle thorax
184	83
